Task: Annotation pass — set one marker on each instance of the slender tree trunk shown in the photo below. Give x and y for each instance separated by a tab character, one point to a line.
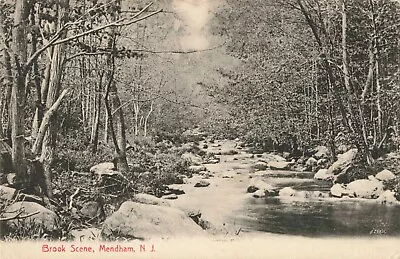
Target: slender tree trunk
325	56
19	58
118	120
136	108
94	138
46	122
118	133
378	129
147	118
49	141
345	61
37	118
106	130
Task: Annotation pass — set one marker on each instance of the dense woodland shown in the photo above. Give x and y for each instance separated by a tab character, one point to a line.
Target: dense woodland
89	81
315	72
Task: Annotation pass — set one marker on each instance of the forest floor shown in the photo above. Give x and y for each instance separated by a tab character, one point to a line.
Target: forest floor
225	195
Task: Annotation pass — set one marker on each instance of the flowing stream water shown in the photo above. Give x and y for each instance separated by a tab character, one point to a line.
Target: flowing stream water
316	216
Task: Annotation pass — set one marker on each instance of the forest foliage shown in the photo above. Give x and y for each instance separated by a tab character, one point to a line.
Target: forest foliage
313	72
88	81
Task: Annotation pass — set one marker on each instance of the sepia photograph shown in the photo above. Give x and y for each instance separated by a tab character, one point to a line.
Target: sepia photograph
200	129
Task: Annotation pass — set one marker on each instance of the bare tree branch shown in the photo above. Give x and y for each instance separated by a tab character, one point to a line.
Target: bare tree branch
119	23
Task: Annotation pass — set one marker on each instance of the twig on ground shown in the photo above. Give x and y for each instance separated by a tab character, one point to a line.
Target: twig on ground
18	216
71	198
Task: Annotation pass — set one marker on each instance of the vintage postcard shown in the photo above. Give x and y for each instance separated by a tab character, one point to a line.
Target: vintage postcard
200	129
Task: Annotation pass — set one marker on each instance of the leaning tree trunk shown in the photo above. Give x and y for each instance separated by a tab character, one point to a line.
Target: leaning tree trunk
49	141
41	95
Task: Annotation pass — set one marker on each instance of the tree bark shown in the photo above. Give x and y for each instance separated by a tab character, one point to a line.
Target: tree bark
46	122
56	71
147	119
94	137
6	87
345	61
19	57
325	55
37	118
118	133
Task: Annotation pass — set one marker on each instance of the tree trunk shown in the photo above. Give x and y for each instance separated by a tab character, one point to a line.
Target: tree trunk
147	119
325	56
111	97
6	97
19	48
40	98
106	130
345	61
136	108
6	87
118	120
94	137
37	118
49	141
45	124
378	129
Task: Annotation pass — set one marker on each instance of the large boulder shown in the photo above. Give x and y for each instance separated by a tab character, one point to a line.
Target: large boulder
323	174
33	216
344	161
365	188
279	165
385	175
337	190
106	169
142	221
102	167
387	197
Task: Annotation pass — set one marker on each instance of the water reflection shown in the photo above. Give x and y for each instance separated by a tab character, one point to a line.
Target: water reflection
319	217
